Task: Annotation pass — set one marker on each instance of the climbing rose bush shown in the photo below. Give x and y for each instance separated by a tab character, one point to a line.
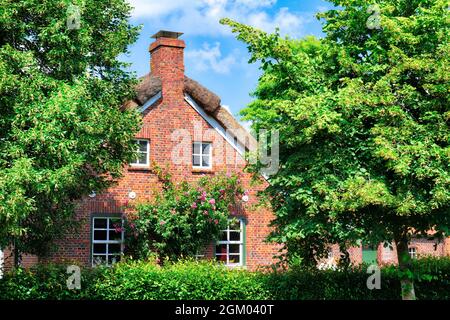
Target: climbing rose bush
184	218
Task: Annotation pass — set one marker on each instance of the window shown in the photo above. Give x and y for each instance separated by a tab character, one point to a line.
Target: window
369	254
142	157
412	252
107	240
230	247
201	155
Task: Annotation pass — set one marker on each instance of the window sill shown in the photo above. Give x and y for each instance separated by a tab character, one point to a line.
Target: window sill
202	170
240	267
139	168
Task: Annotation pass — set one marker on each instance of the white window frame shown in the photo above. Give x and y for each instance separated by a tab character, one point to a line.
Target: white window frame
412	251
107	241
138	151
201	155
241	244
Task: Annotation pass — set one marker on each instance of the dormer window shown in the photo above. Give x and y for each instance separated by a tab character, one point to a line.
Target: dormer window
142	156
201	155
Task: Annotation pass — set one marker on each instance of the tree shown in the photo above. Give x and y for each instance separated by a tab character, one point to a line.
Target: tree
363	117
62	130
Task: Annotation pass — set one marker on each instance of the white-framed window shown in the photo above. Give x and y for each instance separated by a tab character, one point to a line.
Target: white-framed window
142	158
107	240
202	155
230	247
412	252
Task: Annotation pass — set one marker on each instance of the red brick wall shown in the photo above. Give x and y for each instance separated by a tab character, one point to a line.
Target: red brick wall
161	125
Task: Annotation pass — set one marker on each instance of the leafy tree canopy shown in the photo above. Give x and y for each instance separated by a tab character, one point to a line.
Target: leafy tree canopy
62	132
363	116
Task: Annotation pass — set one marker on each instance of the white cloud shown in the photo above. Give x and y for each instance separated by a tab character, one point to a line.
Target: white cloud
227	107
210	58
201	17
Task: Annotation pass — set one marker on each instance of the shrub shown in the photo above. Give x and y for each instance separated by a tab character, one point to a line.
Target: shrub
183	280
193	280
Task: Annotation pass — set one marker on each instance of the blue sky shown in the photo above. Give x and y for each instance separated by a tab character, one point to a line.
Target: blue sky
213	56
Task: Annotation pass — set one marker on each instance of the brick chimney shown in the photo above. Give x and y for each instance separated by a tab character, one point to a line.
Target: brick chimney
167	62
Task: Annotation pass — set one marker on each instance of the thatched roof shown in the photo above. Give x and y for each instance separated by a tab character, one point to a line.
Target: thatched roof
150	85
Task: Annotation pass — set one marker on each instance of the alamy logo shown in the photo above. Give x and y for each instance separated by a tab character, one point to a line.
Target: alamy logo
374	20
374	281
74	280
73	17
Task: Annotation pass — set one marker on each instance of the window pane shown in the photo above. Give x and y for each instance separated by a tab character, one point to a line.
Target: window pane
206	148
224	236
196	161
114	235
143	146
196	148
222	258
115	223
234	259
221	248
235	236
235	248
135	158
97	260
205	161
235	225
113	259
99	248
100	235
99	223
142	158
114	248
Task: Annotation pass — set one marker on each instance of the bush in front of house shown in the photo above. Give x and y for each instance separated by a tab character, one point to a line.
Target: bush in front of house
188	280
193	280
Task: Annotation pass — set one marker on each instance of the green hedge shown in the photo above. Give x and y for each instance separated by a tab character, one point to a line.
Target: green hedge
206	280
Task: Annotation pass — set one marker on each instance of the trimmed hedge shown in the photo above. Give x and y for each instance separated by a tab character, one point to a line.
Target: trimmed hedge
206	280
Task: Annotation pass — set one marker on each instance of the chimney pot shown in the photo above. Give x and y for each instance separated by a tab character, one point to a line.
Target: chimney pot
167	34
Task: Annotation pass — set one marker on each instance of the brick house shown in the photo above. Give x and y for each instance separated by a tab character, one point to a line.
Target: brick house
185	126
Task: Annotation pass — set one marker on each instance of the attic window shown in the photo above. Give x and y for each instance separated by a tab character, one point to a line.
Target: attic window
201	155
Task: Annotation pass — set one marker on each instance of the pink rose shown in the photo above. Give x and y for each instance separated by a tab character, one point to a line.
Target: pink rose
162	222
212	201
216	222
205	213
194	206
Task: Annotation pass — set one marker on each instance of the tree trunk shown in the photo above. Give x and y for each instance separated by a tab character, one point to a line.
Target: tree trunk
404	262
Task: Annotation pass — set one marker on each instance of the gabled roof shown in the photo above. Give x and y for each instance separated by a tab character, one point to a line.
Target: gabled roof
150	85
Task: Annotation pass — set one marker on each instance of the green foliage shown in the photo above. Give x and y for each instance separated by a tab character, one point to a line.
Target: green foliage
194	280
62	131
46	282
183	280
184	218
363	118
